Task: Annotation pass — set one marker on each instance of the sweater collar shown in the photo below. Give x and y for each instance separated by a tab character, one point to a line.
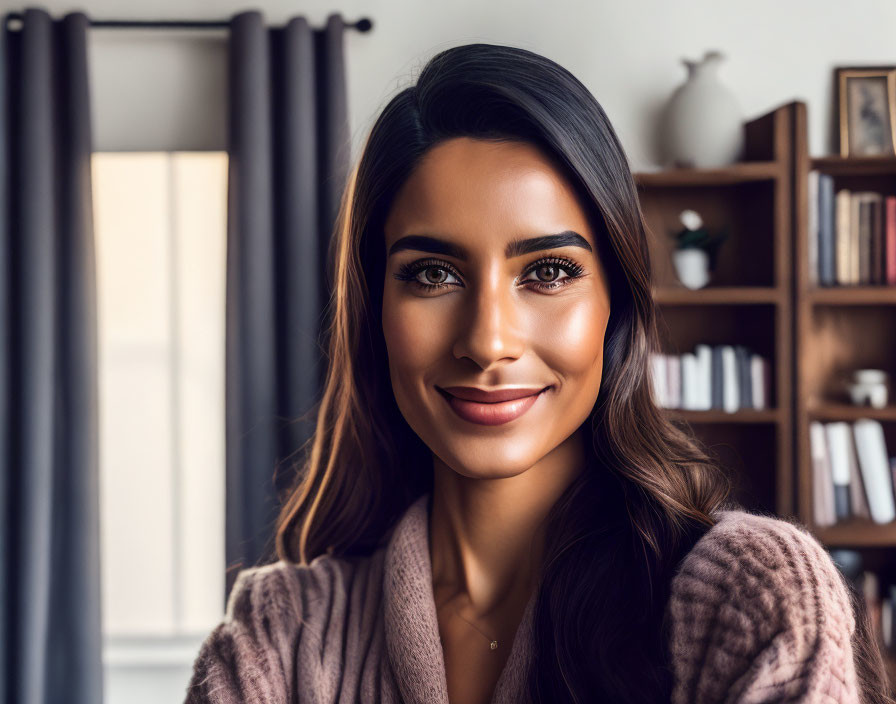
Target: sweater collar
412	627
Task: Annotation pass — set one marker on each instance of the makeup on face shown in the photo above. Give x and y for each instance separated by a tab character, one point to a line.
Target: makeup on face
494	305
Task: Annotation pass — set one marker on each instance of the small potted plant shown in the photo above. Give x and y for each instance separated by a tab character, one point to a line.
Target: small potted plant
695	250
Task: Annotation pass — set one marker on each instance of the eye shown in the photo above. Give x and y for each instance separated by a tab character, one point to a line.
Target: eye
553	272
428	274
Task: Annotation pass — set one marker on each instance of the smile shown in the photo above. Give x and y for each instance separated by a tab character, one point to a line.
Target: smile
497	412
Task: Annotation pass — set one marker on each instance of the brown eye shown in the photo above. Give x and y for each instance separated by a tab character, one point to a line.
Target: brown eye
551	274
548	272
437	278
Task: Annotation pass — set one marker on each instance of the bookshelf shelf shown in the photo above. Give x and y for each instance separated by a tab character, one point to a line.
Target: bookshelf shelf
742	172
852	295
744	415
714	295
858	532
854	166
845	412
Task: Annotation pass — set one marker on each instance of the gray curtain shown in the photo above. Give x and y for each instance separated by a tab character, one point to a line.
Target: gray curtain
50	629
289	155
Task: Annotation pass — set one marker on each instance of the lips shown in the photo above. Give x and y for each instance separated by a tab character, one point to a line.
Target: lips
490	407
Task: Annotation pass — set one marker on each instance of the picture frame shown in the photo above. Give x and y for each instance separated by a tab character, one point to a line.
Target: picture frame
866	108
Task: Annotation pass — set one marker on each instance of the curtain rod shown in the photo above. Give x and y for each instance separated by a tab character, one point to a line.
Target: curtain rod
362	25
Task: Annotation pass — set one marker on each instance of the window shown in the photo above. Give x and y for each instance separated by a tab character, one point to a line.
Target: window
160	226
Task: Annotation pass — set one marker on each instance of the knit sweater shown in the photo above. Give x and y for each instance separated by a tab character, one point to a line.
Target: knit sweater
758	613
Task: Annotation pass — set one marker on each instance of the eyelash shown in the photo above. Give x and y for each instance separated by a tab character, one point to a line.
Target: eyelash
408	272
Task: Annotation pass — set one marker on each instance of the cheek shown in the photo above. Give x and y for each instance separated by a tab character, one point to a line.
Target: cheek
571	339
414	333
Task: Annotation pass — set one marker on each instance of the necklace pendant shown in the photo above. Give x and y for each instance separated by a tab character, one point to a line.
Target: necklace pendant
494	645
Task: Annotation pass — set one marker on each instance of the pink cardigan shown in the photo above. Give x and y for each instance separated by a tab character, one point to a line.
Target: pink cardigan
759	612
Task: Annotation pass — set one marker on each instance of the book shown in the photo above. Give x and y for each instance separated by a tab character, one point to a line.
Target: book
890	227
717	397
857	494
822	480
839	437
690	392
827	262
852	239
760	378
673	379
878	256
872	452
703	353
730	389
744	381
844	269
813	227
864	237
869	237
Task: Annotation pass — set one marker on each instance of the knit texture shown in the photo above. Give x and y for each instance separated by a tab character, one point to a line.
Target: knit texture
758	612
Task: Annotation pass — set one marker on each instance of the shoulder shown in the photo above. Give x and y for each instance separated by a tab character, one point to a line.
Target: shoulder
287	591
746	555
279	617
758	604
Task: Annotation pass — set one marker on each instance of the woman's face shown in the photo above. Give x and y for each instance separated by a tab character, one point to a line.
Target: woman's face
492	283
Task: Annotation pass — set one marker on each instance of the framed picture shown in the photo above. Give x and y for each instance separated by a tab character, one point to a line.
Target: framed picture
866	102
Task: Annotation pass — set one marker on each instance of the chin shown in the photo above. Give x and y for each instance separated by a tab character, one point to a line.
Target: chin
494	465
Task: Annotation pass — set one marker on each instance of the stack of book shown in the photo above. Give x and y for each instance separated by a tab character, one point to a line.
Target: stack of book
852	472
725	377
852	235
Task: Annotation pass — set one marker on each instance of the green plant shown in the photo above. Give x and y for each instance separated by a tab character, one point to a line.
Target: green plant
695	236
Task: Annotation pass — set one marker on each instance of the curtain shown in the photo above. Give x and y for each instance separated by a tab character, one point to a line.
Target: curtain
50	627
289	154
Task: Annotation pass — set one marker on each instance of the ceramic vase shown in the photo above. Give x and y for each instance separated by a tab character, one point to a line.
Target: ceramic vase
692	267
702	122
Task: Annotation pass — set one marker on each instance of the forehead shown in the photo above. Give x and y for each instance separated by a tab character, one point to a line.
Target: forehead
486	192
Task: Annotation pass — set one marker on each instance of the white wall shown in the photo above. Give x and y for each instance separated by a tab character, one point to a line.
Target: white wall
160	90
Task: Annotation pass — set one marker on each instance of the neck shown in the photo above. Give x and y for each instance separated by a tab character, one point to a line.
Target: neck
487	535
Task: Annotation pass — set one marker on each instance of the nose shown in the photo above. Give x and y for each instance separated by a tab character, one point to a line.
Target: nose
490	329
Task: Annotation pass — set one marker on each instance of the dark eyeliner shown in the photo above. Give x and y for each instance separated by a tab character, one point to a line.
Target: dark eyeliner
572	269
408	272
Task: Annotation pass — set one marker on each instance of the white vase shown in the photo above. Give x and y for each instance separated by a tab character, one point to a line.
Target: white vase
692	267
702	122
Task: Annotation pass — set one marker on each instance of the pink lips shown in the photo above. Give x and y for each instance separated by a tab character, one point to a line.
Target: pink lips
490	407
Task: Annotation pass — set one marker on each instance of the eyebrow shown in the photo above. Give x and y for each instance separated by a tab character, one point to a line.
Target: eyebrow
515	248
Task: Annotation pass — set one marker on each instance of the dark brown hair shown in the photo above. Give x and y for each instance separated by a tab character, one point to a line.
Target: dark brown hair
616	535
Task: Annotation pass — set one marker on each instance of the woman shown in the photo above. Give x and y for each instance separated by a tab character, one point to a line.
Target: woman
493	508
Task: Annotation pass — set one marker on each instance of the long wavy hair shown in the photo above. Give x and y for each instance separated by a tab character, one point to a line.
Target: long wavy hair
615	536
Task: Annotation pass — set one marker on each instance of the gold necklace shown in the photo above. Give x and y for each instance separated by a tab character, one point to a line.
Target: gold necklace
493	642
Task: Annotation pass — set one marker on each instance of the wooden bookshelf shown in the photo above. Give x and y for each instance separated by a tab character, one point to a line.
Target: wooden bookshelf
749	300
839	329
761	296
